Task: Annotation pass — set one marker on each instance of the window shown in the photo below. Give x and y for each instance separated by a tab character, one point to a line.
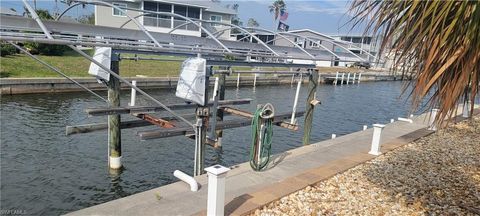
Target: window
216	18
165	21
117	12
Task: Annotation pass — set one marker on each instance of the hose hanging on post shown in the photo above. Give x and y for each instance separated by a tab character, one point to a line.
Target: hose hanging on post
262	134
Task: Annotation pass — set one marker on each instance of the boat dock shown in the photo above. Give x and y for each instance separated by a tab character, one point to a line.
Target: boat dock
288	172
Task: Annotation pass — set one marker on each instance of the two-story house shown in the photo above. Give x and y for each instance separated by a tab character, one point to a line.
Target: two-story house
196	10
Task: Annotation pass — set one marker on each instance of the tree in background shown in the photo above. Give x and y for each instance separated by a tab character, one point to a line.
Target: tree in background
438	40
277	7
235	19
44	49
252	23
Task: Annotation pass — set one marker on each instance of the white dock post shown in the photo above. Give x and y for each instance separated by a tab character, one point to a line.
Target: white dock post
334	136
466	109
336	78
292	120
377	134
365	127
343	75
238	80
348	78
431	122
354	76
359	77
254	80
392	120
215	89
133	95
216	190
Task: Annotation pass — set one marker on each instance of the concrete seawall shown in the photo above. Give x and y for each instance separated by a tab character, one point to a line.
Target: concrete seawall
11	86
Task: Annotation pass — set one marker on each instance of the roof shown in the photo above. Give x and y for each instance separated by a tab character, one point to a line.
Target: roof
319	34
8	11
209	5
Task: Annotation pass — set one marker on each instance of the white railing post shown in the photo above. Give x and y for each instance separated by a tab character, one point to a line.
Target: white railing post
365	127
133	95
466	109
377	135
216	190
431	122
336	78
392	120
334	136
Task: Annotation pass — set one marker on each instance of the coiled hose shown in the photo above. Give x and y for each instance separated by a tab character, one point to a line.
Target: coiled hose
262	131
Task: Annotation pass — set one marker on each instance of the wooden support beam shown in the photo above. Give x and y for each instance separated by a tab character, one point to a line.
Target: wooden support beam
114	132
87	128
310	105
226	124
154	120
249	115
151	109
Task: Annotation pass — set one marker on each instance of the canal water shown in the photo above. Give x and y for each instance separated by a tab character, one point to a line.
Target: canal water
43	171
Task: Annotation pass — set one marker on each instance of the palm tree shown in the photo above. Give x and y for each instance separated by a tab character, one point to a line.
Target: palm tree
438	40
252	23
277	7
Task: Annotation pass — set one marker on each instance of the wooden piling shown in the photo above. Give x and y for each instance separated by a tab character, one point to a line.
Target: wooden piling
310	106
114	133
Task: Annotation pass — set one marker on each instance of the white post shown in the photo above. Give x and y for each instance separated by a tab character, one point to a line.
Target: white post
293	77
348	78
133	95
254	80
466	109
215	89
392	120
377	133
216	190
431	122
365	127
354	76
238	80
334	136
343	75
299	84
359	77
336	78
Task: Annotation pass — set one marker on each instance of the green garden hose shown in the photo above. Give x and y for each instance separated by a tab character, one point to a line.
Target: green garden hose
262	128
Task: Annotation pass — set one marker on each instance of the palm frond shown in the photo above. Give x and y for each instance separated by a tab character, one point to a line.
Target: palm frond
439	40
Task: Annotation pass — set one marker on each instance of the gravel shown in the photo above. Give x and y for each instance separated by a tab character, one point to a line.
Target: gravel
435	175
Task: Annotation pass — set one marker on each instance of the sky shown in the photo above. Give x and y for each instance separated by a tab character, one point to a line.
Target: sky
326	16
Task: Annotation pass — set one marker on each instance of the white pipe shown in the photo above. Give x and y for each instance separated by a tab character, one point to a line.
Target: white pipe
254	80
376	138
359	77
238	80
215	88
133	95
405	120
187	179
299	84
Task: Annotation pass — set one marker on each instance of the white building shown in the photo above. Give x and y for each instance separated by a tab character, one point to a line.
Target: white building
200	10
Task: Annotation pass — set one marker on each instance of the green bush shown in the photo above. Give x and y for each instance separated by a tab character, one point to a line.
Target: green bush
7	49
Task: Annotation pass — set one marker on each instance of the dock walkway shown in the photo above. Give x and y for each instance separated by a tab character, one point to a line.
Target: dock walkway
246	189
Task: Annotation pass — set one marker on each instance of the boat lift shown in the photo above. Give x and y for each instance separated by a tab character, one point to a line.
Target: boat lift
208	116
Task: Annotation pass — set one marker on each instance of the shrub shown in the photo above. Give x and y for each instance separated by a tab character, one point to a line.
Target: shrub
7	49
45	49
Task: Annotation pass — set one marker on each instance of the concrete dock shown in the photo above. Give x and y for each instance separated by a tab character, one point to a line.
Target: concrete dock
290	171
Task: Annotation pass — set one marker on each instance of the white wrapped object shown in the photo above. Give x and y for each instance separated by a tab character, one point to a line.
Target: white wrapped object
102	55
191	83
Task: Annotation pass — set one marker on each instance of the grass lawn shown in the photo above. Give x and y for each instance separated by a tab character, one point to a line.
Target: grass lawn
74	65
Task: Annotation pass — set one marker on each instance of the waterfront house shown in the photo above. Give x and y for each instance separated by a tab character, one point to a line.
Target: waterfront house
203	10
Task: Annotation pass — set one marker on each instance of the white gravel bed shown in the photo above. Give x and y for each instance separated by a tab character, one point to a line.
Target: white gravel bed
435	175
